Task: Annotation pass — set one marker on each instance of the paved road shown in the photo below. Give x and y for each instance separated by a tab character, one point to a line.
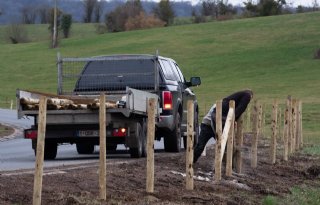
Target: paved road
17	153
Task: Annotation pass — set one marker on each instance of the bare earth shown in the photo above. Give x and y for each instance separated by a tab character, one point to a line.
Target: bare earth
5	131
126	181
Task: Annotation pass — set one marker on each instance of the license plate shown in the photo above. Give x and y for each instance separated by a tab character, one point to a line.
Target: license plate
88	133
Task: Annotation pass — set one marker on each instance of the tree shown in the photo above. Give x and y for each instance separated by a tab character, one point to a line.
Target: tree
43	13
165	12
209	8
143	21
315	5
98	9
89	6
66	22
117	19
265	7
300	9
53	31
28	15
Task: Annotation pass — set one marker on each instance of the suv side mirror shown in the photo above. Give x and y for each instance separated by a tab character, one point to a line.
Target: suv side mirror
194	81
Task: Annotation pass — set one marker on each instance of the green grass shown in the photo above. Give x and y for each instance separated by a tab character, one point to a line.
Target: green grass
303	196
272	55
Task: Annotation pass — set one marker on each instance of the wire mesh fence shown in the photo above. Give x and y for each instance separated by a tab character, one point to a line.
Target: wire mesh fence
110	73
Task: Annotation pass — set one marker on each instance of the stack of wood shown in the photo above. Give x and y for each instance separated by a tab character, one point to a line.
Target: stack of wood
63	104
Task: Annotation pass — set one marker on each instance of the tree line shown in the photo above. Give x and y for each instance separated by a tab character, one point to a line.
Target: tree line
124	15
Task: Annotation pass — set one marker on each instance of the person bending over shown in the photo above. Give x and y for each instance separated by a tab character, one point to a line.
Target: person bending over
208	124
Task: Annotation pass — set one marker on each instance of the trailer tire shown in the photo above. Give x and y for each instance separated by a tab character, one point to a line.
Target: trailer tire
84	148
50	149
140	150
172	139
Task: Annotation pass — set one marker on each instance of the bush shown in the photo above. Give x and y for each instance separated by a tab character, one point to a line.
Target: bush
101	28
142	21
16	33
66	22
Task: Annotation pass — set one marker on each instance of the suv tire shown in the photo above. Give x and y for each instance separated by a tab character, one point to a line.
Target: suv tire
172	139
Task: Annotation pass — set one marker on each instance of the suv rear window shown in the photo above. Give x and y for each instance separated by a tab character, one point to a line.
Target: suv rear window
116	75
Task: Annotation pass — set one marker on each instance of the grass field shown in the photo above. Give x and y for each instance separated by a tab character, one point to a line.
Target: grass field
271	55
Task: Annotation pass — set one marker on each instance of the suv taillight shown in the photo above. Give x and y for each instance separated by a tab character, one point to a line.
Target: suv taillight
167	100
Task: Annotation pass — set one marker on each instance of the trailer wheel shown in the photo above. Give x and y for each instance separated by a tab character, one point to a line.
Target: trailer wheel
195	129
50	149
140	150
84	148
172	140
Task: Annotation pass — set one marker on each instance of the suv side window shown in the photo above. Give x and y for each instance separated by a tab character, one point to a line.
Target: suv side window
167	70
179	73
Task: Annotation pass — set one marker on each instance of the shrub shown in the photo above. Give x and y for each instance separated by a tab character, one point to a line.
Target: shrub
101	28
16	33
142	21
66	22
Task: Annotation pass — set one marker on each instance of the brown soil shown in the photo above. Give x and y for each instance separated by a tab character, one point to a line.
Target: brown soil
5	131
126	181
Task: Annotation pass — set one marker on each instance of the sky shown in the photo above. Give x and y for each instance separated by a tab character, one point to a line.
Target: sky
236	2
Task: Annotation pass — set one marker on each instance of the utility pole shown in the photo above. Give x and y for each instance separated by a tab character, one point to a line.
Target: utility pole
54	36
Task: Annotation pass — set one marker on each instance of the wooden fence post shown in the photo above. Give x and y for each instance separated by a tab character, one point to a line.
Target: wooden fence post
230	142
279	121
297	126
189	153
274	131
254	145
37	188
238	145
290	126
150	145
294	124
103	164
300	124
286	132
217	161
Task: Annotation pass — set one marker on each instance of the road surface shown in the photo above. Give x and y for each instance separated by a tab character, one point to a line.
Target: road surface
16	153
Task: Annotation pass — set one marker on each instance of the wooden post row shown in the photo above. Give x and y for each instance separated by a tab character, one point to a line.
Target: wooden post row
102	133
274	131
37	188
150	145
189	153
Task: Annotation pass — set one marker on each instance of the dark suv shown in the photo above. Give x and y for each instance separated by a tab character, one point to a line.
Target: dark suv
174	93
151	73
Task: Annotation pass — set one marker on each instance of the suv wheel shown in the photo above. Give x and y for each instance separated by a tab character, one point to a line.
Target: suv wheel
140	151
172	139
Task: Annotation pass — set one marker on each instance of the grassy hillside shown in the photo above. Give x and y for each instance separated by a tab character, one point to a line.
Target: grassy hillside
271	55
